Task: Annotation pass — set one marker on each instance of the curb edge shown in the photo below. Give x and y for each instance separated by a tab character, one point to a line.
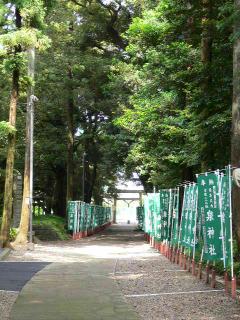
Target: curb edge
5	253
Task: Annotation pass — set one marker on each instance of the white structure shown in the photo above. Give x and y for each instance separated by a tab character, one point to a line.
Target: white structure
129	197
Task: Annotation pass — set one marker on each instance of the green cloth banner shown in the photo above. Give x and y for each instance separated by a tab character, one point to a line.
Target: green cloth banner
157	216
206	214
189	217
84	216
210	210
175	218
164	213
225	197
140	217
147	215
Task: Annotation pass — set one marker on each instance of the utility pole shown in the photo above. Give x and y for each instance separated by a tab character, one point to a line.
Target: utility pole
27	204
32	98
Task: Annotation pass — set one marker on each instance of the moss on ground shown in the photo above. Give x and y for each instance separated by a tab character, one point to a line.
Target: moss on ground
53	224
47	228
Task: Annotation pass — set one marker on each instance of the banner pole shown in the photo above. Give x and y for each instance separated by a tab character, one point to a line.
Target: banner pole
221	217
171	240
169	222
220	178
213	279
200	266
177	226
231	233
195	232
180	230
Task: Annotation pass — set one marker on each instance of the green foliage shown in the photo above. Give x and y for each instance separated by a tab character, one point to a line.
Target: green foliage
6	129
175	122
57	224
14	61
25	37
143	100
13	233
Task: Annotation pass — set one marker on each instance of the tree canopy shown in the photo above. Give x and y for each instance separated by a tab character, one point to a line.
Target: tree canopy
126	86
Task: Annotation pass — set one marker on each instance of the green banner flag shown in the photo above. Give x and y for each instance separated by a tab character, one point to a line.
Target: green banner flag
211	215
72	207
157	216
175	218
140	217
147	215
189	217
164	212
226	211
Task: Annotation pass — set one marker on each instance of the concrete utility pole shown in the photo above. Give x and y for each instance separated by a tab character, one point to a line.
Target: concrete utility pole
32	99
27	203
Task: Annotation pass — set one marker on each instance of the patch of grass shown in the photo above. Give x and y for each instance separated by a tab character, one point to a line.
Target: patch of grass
57	224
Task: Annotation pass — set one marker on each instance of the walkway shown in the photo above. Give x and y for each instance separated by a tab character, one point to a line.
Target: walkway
114	275
76	290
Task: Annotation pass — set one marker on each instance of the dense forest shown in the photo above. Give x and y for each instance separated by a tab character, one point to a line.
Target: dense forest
122	86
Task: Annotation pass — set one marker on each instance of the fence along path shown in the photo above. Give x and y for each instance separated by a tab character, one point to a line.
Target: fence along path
201	232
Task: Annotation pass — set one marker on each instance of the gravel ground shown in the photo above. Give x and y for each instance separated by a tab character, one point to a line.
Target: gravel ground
177	296
7	299
140	270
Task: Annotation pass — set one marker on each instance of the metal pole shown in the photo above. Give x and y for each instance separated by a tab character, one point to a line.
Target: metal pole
83	177
170	215
32	98
180	227
195	226
221	217
31	173
173	211
231	223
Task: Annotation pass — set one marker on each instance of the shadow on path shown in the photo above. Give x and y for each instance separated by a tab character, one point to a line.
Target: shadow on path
14	275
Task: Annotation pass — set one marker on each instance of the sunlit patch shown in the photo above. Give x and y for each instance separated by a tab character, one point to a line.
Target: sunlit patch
131	276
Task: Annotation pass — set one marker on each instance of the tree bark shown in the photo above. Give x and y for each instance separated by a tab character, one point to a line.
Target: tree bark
90	182
22	236
206	58
59	195
235	143
8	189
206	42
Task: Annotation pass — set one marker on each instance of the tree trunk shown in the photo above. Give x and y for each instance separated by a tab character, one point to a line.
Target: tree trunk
90	182
59	195
206	42
22	236
235	154
206	58
8	189
70	138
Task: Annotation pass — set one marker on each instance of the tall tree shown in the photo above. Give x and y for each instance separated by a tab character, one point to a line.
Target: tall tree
34	13
27	183
8	190
178	73
236	117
